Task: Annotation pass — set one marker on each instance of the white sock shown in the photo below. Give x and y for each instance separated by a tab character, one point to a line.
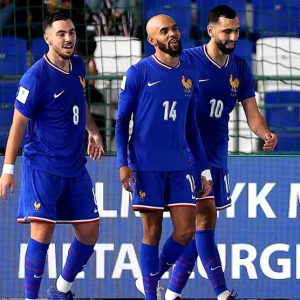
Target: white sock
170	295
63	285
223	295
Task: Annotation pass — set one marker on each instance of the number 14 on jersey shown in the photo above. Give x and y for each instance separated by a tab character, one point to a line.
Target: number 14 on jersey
170	110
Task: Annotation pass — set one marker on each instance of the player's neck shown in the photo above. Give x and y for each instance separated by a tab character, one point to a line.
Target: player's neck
167	58
59	62
215	54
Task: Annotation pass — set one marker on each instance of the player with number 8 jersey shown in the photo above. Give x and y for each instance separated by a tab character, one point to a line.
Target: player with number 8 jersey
56	107
56	187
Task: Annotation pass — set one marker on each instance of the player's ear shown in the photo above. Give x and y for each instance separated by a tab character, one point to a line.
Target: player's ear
210	30
46	38
151	41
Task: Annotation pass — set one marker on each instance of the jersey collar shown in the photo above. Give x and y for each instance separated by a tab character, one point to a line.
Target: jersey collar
212	61
163	64
56	67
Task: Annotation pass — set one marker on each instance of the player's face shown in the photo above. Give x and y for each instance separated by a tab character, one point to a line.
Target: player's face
61	38
225	34
168	39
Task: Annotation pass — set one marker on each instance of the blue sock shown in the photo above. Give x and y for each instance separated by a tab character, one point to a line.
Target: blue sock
78	256
150	270
35	258
183	268
169	254
209	255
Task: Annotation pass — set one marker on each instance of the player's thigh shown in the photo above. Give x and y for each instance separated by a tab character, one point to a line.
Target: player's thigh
41	231
152	226
38	196
149	191
183	219
78	203
180	189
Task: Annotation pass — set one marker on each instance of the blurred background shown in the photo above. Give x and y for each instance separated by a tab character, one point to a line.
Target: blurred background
111	37
256	235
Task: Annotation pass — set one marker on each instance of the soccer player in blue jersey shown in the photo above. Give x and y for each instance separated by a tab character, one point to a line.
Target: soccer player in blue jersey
224	79
56	187
160	92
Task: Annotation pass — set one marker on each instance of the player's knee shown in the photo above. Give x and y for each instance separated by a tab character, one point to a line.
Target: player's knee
87	233
94	238
89	239
184	236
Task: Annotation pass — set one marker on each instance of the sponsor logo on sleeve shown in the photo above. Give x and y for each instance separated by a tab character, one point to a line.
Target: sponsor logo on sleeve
22	95
123	84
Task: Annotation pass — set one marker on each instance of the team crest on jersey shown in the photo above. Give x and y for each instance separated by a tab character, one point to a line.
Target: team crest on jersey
82	81
234	82
37	205
187	83
142	194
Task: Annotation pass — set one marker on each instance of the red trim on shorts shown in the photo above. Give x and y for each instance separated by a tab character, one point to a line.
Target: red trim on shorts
139	208
29	220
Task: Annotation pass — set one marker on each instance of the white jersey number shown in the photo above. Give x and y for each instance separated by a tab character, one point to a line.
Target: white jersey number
170	113
216	108
75	114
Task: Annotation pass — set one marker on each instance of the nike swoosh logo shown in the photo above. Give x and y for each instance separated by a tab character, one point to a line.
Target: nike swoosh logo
203	80
59	94
153	274
95	210
153	83
212	269
168	264
37	276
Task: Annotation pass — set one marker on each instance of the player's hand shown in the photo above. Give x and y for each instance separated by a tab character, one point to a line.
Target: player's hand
95	146
206	187
7	182
270	141
126	176
206	182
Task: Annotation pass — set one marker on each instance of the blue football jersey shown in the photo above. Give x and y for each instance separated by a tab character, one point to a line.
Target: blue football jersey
162	101
55	102
219	90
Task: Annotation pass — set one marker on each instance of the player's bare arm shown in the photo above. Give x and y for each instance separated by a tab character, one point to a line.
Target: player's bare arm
126	176
13	144
95	143
258	125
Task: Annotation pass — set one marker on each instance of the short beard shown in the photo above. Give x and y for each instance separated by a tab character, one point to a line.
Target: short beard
223	49
61	54
169	50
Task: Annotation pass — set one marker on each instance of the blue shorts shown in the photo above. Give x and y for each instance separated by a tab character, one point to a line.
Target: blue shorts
221	188
163	189
49	198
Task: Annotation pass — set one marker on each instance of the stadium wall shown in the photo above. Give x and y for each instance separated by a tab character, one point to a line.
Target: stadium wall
257	236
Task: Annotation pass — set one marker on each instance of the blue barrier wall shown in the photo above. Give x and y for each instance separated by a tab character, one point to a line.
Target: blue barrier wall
258	237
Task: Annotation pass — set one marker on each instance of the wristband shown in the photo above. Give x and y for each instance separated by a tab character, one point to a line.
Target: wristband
8	169
206	174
